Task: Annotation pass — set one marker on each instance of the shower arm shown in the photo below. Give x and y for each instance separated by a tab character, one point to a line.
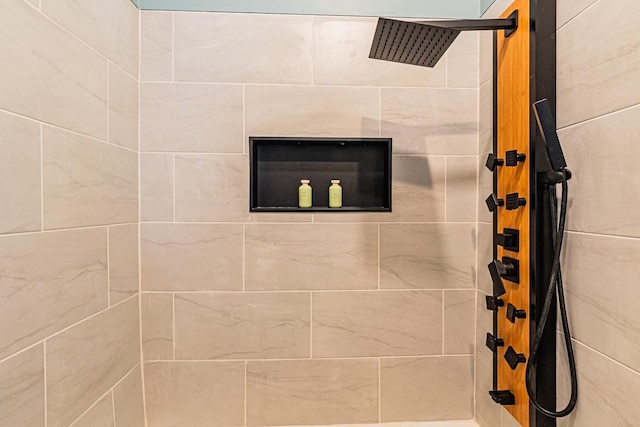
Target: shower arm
509	24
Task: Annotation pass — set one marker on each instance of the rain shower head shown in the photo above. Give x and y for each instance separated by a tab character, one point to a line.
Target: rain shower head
424	42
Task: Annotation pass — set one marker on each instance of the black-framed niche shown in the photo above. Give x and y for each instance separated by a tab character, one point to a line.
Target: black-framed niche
277	164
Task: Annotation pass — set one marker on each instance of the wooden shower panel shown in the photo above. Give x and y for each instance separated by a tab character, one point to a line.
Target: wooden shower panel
513	133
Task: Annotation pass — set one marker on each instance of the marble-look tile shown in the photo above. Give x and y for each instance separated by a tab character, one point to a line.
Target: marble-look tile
242	48
357	324
156	187
84	362
123	108
191	117
566	10
605	175
485	256
49	281
191	257
341	57
485	188
459	321
242	326
109	27
485	123
157	326
99	415
462	189
598	62
57	79
212	187
487	411
312	392
508	420
486	57
311	256
19	174
22	390
123	262
128	404
600	274
156	46
431	121
427	256
312	111
463	61
431	388
195	394
87	182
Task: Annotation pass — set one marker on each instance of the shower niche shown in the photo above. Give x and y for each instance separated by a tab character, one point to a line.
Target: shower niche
277	164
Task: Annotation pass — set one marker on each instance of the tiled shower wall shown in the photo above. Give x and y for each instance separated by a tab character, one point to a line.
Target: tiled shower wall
280	319
598	119
69	335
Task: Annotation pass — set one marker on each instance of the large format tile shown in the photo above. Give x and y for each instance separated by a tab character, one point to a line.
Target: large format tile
49	281
486	57
194	394
463	61
191	117
459	322
431	121
22	390
568	9
123	262
427	256
128	405
242	326
156	46
485	256
110	27
312	111
487	411
19	174
605	174
485	120
312	392
243	48
341	57
50	75
212	188
341	256
157	326
123	108
424	389
191	257
485	188
156	187
403	323
598	61
87	182
462	189
99	415
84	362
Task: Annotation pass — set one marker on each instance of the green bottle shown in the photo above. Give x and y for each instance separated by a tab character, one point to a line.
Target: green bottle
304	194
335	194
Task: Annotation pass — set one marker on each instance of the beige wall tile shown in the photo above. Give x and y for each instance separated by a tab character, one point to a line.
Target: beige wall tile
312	111
194	394
427	256
486	57
242	326
508	420
485	129
462	189
157	326
459	321
485	256
341	57
50	281
156	187
487	411
463	61
100	414
191	117
84	362
110	27
87	182
424	389
342	256
58	79
598	62
128	403
431	121
123	108
191	257
599	274
485	188
22	391
312	392
568	9
212	187
243	48
19	174
605	175
403	323
123	262
156	46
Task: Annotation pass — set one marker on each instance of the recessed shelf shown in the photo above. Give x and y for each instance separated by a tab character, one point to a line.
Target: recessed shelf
363	166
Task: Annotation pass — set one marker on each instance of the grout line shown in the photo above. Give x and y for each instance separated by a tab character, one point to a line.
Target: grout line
330	223
41	177
379	256
446	174
475	355
379	390
174	187
598	352
44	350
244	119
610	236
579	13
303	291
303	359
245	393
310	325
108	267
601	116
380	112
244	257
173	311
443	296
113	408
108	99
173	47
62	230
242	153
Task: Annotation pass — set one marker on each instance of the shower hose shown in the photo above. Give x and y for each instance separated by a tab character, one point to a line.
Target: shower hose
555	285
